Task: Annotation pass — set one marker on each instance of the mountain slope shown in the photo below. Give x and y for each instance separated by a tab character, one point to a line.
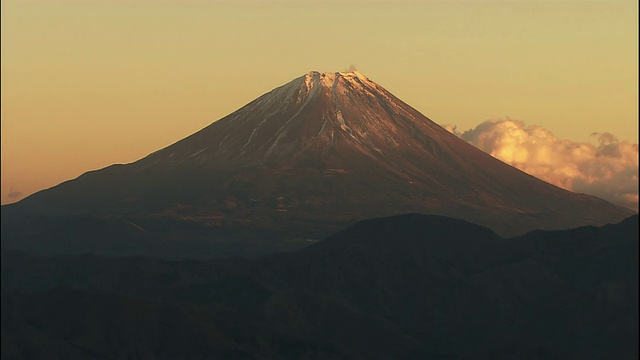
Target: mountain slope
307	159
403	287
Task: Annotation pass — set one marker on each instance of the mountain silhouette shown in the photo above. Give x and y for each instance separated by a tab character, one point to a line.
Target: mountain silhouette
401	287
296	164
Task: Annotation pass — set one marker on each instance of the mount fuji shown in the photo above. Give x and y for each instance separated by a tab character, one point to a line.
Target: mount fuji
294	165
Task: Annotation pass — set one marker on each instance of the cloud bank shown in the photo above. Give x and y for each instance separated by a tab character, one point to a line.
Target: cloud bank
608	170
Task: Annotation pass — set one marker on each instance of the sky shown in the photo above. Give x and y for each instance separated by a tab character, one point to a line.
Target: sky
89	83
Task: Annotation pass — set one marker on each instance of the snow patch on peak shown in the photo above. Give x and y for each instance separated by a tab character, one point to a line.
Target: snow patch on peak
354	73
328	79
316	78
310	80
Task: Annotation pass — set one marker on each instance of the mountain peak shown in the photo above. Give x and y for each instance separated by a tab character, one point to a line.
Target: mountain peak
330	79
354	73
348	73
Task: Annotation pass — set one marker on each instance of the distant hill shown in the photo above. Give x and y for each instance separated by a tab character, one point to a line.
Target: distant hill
402	287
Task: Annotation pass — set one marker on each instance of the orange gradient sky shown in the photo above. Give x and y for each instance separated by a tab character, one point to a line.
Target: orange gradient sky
88	83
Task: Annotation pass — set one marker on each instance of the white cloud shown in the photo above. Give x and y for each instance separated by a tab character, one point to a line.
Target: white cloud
608	169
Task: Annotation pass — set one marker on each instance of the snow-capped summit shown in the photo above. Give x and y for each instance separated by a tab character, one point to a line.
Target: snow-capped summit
335	118
330	79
